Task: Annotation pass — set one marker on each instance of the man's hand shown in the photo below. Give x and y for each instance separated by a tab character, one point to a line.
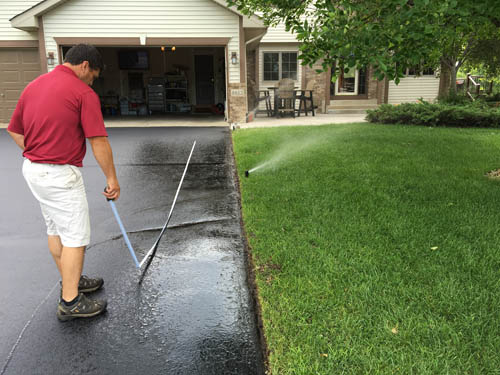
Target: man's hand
104	156
112	190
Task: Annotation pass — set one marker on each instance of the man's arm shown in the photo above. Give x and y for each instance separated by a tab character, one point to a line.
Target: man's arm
104	156
18	138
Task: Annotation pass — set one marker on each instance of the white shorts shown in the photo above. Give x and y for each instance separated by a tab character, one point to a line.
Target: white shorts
61	193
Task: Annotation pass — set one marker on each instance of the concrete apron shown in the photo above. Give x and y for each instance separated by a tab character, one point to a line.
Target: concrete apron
216	121
193	313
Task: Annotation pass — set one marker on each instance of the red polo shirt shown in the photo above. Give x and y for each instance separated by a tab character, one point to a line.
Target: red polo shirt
55	113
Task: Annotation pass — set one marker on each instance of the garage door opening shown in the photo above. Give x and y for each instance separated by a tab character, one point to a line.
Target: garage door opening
163	82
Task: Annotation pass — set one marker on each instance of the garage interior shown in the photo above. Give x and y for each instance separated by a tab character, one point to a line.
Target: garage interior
162	82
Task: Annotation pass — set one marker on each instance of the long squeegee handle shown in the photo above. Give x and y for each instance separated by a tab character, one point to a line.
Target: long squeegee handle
153	248
124	232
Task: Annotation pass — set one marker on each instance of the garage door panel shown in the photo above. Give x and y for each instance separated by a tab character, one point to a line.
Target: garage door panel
9	58
10	76
29	76
18	67
30	58
12	95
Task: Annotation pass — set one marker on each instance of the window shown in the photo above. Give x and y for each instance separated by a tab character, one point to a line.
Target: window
271	66
412	71
417	70
278	65
428	72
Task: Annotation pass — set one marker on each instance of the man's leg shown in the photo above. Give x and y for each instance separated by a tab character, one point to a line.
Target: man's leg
71	270
56	247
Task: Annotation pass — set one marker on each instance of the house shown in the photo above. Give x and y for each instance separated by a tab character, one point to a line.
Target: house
168	56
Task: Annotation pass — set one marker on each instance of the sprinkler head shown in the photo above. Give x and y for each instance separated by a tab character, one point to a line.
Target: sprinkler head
247	173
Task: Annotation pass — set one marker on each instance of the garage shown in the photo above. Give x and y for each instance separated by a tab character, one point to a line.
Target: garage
18	67
161	81
163	57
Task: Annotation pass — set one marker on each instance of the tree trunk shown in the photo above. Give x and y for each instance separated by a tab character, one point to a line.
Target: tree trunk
444	80
453	79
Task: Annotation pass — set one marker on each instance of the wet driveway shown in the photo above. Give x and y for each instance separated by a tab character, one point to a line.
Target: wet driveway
192	313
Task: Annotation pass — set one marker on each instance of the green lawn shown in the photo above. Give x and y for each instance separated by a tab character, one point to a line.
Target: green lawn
377	248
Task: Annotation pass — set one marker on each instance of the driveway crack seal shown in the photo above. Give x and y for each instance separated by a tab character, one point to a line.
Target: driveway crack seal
14	347
254	289
157	229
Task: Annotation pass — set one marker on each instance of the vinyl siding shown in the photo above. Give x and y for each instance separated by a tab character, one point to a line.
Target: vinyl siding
151	18
278	34
410	89
9	9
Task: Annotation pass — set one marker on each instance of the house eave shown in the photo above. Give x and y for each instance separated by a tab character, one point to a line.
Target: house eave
28	19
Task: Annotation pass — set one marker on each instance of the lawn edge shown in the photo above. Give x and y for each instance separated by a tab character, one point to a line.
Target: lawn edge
251	278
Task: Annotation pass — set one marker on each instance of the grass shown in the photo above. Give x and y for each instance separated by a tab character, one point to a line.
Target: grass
376	247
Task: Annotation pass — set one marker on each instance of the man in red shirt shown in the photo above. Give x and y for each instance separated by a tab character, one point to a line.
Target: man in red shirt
55	114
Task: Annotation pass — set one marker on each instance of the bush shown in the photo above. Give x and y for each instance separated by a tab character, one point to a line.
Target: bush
493	97
458	98
477	114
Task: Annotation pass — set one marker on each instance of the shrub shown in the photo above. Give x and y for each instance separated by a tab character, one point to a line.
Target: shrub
477	114
454	98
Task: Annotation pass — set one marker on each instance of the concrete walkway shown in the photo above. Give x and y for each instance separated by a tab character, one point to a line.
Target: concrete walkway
319	119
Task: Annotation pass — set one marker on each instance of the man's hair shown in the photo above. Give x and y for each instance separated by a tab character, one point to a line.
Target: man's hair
85	52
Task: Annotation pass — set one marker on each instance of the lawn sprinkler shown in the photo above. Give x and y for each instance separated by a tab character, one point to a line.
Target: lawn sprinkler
247	173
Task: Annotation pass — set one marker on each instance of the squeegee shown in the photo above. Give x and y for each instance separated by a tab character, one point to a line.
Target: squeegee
151	251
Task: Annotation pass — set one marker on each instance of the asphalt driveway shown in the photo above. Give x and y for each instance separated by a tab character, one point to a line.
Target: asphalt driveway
192	314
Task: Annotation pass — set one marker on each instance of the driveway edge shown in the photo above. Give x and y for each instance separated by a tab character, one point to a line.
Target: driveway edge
251	279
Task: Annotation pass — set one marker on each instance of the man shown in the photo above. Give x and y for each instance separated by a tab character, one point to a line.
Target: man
55	114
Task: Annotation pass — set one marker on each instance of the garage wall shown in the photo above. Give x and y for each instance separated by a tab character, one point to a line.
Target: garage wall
9	9
151	18
410	89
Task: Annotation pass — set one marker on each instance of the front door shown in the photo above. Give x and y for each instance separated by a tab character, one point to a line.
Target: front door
204	73
347	83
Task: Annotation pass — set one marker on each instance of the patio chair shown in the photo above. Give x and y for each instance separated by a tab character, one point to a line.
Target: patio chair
306	100
264	96
286	97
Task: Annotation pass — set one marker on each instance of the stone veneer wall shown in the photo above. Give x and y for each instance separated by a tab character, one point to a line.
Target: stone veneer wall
320	84
252	80
376	88
238	105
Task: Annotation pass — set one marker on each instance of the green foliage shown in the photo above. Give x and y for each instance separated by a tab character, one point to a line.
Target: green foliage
390	35
454	98
477	114
485	57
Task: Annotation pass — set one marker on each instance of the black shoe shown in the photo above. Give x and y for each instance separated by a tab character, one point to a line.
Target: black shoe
82	308
88	285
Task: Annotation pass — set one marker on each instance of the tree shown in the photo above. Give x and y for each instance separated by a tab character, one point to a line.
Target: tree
485	58
390	35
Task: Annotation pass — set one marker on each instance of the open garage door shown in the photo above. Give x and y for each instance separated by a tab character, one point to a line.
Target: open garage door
161	82
18	67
